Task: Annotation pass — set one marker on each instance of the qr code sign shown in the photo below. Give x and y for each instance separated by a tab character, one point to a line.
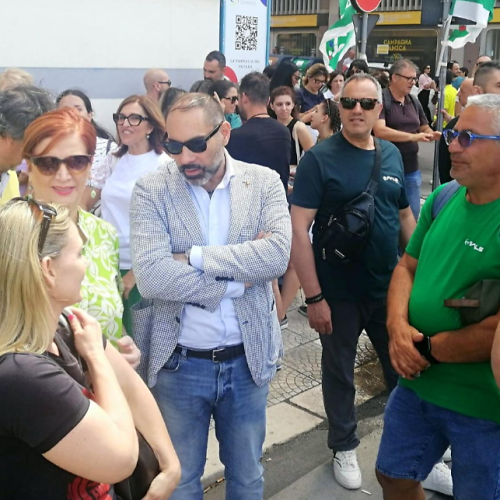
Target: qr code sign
246	33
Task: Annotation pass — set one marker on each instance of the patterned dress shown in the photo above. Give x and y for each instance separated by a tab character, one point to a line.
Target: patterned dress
102	286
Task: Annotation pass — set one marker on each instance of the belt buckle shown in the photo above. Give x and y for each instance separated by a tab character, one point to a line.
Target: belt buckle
214	354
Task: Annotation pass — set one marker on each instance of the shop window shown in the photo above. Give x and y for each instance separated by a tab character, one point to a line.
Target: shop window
493	43
296	44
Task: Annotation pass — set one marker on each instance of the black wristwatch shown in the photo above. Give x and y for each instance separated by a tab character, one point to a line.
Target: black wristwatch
424	348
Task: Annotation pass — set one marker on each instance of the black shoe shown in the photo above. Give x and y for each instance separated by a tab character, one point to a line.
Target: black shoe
303	310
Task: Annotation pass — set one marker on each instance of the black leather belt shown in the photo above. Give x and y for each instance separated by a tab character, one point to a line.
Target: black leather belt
216	355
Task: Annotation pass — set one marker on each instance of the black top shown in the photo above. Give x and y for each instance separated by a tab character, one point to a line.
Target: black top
331	174
444	157
293	151
407	117
307	100
263	141
42	398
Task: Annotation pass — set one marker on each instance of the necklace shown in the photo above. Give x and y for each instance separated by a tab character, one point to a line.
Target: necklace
258	114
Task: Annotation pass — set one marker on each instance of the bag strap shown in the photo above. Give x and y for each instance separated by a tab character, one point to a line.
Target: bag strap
442	198
296	140
377	166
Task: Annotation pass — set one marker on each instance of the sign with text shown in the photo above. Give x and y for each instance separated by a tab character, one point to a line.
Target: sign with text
245	35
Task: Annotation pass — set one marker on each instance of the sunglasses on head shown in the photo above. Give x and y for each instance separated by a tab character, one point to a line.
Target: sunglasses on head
233	99
196	145
47	212
49	165
134	119
465	137
366	103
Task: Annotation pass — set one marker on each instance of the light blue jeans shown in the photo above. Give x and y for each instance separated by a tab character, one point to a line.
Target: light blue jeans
413	181
188	391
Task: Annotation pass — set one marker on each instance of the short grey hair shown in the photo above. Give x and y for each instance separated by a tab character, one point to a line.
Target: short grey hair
364	76
19	106
488	102
401	64
211	108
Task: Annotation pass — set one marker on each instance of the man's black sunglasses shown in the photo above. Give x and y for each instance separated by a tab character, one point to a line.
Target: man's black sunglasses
367	103
47	212
196	145
167	82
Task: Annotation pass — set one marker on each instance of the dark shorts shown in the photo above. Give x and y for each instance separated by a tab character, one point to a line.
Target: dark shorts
417	433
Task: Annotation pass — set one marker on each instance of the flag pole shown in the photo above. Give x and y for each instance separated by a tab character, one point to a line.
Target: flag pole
441	72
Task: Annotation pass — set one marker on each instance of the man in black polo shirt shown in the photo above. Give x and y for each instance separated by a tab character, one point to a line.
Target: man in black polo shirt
347	299
261	140
405	125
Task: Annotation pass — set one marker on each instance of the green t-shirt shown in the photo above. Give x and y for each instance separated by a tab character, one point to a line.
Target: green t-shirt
455	251
330	175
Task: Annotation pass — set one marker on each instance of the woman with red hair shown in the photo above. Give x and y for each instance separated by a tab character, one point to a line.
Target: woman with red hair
58	148
63	134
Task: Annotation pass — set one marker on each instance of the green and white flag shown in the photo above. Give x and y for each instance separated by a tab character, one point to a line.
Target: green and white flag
479	11
340	37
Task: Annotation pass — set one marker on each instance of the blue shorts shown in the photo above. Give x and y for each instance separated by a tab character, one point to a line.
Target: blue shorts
417	433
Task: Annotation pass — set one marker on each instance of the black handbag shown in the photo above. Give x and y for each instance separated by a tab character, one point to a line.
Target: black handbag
137	485
344	237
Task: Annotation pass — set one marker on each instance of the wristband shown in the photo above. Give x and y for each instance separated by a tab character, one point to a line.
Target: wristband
424	348
315	299
187	253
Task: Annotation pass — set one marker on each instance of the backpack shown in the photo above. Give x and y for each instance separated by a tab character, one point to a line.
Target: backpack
442	198
387	99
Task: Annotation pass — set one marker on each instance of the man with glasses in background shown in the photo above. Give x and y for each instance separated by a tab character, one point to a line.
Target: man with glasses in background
156	82
209	233
402	121
447	393
344	300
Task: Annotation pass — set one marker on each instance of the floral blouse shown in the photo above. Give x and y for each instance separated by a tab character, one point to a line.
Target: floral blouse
102	286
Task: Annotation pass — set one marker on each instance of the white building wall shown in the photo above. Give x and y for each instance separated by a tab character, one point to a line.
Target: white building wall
103	47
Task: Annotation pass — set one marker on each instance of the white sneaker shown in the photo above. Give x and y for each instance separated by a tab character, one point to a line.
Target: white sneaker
346	469
447	455
439	480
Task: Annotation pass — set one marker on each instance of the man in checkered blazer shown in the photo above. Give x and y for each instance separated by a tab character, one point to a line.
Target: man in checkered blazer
209	233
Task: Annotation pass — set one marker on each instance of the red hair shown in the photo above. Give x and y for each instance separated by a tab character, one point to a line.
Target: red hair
57	125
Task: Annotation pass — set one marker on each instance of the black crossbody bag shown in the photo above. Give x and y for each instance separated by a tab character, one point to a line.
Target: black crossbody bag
344	237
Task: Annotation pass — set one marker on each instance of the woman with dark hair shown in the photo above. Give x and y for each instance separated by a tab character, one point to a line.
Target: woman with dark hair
141	129
425	85
286	74
74	98
326	119
357	66
310	95
168	98
335	83
282	102
227	93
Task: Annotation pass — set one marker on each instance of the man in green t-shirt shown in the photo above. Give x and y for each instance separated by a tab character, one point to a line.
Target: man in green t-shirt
447	393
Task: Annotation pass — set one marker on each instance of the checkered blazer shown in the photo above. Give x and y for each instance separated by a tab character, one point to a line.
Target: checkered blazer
164	221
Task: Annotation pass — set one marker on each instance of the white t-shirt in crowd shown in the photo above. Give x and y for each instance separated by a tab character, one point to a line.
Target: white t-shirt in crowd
117	193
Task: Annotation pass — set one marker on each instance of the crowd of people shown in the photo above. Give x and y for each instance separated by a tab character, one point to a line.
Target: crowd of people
145	276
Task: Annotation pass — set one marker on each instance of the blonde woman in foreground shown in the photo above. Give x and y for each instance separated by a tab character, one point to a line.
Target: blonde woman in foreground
64	434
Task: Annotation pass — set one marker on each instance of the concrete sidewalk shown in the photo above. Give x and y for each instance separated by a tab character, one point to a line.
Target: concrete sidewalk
319	484
295	402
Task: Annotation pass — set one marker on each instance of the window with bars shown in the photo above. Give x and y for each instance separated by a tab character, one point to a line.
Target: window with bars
291	7
396	5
